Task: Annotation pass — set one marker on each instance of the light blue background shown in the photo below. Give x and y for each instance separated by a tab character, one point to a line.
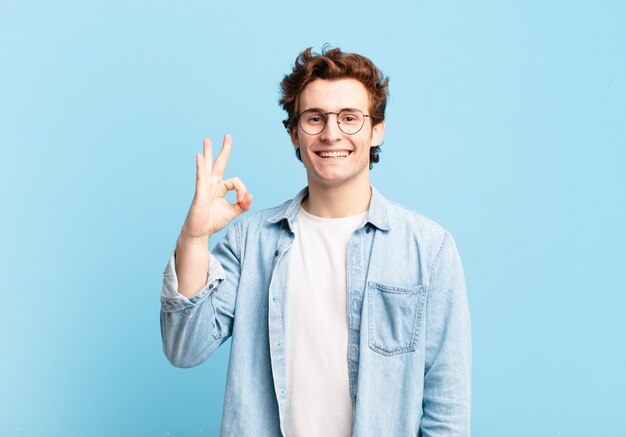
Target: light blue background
506	124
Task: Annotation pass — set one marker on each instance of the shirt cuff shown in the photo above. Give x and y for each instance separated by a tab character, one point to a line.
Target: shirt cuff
173	301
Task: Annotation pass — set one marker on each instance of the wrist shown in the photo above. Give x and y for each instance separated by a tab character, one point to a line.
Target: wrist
186	240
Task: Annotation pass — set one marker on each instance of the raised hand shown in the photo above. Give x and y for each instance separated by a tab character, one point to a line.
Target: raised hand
210	211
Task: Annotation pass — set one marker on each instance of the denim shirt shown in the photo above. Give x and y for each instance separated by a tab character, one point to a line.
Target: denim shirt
409	345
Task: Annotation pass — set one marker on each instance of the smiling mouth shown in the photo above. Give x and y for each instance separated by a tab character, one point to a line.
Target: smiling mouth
334	155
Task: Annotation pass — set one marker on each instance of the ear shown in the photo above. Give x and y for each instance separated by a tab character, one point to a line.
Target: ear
378	132
293	133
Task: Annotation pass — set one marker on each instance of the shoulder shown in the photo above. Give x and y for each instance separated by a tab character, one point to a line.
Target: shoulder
253	229
262	218
411	229
410	222
401	214
411	236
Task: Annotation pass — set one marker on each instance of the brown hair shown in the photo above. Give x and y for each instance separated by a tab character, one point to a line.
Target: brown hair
334	64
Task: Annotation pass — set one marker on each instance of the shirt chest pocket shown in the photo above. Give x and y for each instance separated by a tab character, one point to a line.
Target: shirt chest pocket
395	317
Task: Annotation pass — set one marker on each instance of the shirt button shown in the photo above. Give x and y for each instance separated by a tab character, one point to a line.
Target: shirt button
210	286
355	304
276	253
368	230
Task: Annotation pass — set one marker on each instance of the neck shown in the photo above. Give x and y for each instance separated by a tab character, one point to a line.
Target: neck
337	202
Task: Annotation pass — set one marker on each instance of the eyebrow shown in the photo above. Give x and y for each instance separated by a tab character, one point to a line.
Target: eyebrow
321	110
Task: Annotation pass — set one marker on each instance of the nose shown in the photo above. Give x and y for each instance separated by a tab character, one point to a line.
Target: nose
331	132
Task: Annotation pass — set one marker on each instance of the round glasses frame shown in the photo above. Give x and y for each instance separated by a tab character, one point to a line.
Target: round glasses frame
325	115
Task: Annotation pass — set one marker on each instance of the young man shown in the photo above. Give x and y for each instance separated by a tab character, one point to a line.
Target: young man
348	313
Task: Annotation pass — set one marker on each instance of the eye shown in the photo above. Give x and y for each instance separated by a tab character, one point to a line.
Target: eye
350	117
314	118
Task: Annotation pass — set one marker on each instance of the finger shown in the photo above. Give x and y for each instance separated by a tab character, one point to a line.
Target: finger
244	205
208	157
220	162
236	184
200	172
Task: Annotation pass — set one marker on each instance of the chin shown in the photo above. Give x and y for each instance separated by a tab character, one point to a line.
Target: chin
332	179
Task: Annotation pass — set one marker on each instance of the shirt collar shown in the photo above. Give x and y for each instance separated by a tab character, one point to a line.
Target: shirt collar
376	214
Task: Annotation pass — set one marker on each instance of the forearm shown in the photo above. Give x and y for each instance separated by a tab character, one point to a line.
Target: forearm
193	327
192	264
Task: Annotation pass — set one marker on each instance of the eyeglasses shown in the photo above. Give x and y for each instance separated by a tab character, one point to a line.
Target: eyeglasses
349	120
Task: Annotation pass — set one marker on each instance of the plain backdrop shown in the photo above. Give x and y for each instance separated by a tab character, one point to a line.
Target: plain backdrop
505	123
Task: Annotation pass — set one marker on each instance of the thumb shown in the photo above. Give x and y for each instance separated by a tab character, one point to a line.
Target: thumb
245	204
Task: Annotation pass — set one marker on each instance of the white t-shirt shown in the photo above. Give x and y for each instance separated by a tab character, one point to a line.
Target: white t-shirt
316	327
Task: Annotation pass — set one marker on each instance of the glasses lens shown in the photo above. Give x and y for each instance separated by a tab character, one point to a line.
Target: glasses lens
350	121
312	121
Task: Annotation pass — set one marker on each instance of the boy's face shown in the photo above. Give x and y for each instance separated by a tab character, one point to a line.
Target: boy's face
348	163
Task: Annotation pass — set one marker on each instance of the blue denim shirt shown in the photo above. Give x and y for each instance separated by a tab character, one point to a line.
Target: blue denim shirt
409	345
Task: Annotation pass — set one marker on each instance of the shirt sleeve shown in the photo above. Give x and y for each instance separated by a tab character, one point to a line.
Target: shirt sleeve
193	328
447	380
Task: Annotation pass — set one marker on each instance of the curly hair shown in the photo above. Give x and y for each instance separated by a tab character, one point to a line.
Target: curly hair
332	63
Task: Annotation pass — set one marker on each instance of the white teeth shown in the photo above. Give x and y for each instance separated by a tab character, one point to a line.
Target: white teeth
333	154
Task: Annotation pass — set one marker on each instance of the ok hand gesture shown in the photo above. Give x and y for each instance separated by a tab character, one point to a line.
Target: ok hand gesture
210	211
